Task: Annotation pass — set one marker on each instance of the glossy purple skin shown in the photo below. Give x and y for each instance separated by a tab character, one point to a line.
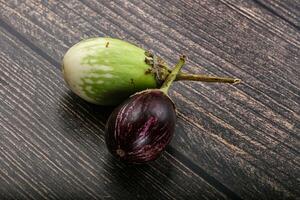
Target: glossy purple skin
140	128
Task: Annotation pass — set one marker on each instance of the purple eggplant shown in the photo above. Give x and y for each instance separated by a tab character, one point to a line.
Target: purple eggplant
140	128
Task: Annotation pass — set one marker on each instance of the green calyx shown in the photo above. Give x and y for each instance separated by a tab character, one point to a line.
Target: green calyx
172	76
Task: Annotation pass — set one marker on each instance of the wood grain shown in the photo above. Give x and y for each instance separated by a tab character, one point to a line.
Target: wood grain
288	11
243	140
52	146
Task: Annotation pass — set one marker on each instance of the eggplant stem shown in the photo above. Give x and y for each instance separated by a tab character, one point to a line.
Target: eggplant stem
172	76
206	78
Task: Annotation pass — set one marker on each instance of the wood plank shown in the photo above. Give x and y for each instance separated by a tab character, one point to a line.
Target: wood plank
201	31
260	15
52	144
287	11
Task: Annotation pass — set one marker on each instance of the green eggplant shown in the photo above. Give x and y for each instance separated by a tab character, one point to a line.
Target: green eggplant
105	71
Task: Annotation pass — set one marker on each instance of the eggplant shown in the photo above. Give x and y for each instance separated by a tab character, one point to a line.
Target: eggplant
141	127
106	71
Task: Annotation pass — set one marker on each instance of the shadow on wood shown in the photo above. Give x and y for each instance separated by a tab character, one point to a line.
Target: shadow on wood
96	111
132	177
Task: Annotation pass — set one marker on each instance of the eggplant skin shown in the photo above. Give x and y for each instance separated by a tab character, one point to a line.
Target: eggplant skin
106	71
140	128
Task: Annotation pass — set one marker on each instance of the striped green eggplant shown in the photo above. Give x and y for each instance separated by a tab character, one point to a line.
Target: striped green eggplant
106	71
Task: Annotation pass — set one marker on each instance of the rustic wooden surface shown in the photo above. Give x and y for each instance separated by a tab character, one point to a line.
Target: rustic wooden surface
231	142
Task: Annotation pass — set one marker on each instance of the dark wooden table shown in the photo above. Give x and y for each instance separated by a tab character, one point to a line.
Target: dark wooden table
231	141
